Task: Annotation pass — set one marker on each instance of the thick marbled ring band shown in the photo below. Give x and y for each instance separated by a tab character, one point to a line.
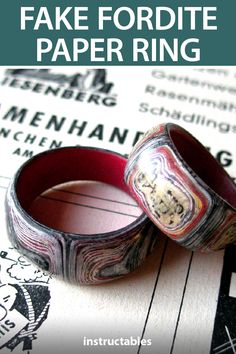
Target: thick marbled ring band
85	259
183	189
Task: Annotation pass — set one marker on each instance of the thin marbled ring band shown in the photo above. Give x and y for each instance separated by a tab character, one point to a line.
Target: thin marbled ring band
85	259
183	189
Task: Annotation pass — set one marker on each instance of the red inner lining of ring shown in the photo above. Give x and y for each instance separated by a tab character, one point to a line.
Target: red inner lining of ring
204	164
68	164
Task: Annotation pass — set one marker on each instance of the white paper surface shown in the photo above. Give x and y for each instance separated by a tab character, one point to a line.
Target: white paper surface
172	299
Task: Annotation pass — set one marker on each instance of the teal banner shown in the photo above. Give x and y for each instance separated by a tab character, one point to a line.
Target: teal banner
117	32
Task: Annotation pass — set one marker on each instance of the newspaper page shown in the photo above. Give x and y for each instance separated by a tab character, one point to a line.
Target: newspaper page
177	301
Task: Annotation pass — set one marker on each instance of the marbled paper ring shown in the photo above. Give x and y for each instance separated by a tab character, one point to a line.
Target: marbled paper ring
183	189
85	259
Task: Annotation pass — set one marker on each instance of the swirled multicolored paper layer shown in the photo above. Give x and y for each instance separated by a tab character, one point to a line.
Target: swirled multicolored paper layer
167	174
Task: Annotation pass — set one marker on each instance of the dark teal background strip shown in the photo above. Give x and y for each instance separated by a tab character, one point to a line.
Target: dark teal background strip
19	47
